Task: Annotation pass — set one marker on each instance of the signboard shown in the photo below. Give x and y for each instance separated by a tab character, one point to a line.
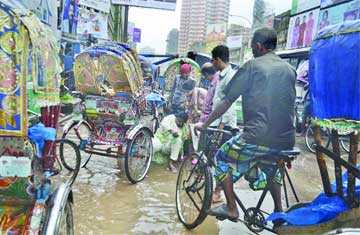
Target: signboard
339	14
302	29
100	5
157	4
234	42
299	6
94	23
215	35
137	35
326	3
70	16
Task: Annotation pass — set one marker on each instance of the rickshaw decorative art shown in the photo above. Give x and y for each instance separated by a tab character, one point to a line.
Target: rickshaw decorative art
29	110
110	81
174	69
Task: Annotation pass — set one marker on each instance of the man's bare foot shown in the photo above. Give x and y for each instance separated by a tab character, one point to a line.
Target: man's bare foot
223	212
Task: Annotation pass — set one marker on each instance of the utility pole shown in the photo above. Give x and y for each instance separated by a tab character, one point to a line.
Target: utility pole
126	23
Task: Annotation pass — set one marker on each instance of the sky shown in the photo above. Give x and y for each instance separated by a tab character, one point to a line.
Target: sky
156	24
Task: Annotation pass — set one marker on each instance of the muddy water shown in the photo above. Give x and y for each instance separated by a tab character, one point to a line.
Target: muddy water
105	203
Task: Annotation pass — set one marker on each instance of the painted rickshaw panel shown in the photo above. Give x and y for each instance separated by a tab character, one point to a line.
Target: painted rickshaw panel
29	80
29	69
174	69
112	64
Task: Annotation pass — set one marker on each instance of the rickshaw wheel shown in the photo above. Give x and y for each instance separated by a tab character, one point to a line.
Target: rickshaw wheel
193	191
76	134
310	141
138	157
66	226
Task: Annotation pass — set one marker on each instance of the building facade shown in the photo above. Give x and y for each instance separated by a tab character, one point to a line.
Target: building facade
172	42
196	16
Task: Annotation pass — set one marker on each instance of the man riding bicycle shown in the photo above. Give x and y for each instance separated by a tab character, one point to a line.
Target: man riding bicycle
267	87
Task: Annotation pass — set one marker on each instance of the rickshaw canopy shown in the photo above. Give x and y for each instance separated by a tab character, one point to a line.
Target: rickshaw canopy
107	69
334	76
30	67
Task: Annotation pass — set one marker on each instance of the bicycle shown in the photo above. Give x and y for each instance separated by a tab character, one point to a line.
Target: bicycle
195	182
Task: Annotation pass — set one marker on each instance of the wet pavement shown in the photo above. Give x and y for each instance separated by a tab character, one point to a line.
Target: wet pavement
106	203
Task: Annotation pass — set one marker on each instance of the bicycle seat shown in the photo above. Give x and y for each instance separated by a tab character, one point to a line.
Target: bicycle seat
285	155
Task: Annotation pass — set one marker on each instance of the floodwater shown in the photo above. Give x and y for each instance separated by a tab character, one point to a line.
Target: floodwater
106	203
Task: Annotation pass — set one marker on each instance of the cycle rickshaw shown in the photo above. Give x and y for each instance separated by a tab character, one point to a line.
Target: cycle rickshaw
31	200
174	69
109	80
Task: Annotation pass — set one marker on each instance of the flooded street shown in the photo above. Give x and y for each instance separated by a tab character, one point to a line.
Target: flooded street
106	203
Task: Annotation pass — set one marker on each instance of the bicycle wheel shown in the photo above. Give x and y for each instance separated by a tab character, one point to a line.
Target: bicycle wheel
77	133
138	156
66	226
310	141
67	147
345	142
193	191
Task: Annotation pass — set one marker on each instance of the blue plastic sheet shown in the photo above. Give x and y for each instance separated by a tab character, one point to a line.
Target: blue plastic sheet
322	209
155	99
38	134
334	72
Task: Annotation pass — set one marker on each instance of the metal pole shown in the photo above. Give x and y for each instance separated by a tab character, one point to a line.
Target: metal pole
126	24
322	163
338	174
354	142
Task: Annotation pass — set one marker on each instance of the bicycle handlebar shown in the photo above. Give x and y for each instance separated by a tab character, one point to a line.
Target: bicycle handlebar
218	130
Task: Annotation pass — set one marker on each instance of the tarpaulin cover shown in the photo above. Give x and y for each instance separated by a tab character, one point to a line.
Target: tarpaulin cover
334	72
321	210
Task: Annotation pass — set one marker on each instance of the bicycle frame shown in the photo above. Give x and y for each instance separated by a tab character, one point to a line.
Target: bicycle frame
209	162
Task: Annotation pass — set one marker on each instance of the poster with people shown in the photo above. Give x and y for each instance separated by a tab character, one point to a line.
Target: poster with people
302	29
299	6
326	3
94	23
339	14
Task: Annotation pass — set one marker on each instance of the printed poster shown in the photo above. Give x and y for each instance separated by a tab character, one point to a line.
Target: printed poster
302	29
327	3
156	4
215	35
94	23
100	5
339	14
299	6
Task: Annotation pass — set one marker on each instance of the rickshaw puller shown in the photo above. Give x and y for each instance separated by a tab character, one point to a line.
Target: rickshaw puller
267	87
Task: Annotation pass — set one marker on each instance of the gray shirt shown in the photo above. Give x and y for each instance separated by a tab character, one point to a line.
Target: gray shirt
267	87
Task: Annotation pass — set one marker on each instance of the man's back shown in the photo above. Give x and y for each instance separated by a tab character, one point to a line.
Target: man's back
267	86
